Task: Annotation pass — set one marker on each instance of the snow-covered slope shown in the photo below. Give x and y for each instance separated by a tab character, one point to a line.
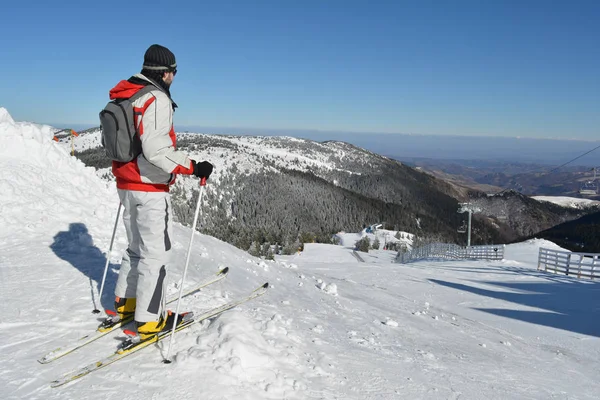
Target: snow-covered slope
331	326
233	156
572	202
384	236
283	151
57	219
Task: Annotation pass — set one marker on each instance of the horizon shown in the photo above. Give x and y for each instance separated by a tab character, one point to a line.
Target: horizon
411	147
502	69
257	131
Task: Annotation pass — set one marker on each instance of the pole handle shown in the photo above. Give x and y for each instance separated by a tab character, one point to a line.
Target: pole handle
203	181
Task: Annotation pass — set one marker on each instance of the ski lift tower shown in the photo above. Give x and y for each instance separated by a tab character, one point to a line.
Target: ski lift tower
468	208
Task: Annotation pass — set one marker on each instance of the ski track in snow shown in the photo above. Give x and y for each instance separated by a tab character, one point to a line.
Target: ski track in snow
329	327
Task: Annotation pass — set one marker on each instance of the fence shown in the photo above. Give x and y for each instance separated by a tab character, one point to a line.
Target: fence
584	265
452	251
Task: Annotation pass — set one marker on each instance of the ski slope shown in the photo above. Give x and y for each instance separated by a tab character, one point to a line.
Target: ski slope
572	202
330	327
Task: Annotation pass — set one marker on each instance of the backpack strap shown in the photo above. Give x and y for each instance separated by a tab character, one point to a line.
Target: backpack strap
146	89
136	114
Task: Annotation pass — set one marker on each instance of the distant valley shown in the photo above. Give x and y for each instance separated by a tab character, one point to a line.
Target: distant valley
495	176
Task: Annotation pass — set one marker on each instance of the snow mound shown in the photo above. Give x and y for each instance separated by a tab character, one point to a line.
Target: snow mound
329	288
237	351
5	116
234	345
527	252
40	179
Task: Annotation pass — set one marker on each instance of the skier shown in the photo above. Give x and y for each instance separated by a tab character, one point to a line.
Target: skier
143	187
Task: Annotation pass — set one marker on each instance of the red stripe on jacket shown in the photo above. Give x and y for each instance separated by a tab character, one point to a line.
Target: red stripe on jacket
127	173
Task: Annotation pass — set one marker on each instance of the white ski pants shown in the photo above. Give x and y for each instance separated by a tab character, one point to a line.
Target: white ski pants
147	219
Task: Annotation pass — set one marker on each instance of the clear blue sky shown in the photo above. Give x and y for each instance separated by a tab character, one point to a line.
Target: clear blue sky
507	68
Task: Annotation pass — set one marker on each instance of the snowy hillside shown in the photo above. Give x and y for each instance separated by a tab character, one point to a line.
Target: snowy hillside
384	237
331	327
571	202
282	151
306	178
314	188
250	154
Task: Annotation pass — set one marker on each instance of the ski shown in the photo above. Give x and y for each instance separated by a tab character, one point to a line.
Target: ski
101	331
123	352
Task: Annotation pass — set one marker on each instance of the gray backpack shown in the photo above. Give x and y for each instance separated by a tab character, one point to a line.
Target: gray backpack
119	133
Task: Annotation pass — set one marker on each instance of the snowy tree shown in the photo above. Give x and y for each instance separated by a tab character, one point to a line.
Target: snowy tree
363	245
254	249
376	244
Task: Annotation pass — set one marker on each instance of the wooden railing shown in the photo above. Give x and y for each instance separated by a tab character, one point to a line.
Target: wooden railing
582	265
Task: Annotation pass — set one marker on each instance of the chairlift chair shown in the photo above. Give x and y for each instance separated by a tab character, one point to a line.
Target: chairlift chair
590	188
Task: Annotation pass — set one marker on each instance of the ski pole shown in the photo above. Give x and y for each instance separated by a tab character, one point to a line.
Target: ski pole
112	240
187	261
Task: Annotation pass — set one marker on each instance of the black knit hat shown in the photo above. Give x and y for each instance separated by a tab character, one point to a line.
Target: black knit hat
159	58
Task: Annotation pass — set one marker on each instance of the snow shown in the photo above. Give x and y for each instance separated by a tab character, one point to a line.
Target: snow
571	202
383	235
330	327
5	117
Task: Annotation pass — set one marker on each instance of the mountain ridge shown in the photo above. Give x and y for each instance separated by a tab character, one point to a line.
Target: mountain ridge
317	183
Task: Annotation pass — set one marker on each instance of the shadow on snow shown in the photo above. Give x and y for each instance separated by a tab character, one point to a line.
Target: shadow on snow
77	247
570	304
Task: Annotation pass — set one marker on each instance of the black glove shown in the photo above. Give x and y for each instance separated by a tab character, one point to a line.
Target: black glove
203	169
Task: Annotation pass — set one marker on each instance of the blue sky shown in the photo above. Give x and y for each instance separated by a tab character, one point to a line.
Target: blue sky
485	68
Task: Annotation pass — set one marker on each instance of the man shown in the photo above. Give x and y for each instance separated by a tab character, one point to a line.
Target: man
143	187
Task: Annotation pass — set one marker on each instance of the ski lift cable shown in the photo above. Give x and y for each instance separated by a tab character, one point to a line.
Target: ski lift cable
556	168
576	158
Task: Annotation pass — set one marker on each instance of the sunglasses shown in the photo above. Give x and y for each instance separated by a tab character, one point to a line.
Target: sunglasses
174	71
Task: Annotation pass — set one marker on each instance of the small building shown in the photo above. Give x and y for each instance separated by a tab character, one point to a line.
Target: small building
373	228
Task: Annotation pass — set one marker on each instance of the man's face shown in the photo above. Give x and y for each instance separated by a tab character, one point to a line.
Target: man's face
168	77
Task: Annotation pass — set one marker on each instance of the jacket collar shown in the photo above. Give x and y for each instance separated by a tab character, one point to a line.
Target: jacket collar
143	80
